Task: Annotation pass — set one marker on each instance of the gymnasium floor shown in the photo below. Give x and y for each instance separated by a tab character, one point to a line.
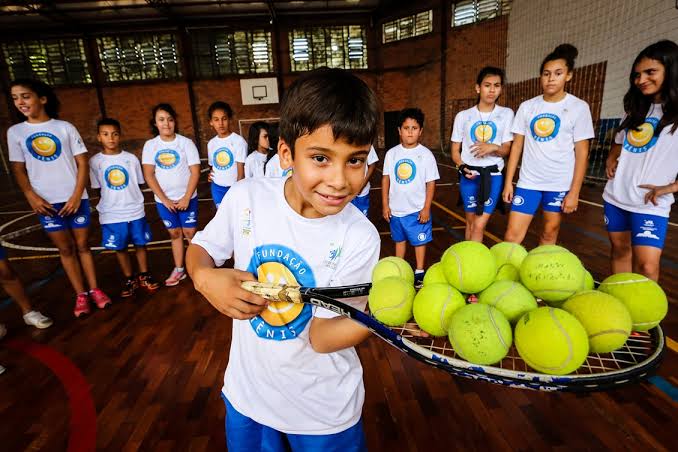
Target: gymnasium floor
146	374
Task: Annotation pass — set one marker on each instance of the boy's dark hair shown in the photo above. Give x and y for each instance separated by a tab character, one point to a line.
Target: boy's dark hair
219	105
253	135
411	113
490	70
109	122
566	52
169	109
41	89
333	97
637	105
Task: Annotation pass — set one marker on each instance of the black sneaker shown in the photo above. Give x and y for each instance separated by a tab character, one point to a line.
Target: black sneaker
419	280
129	287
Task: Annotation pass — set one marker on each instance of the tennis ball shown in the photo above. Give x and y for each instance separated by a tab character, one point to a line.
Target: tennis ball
605	319
480	334
552	273
390	301
393	266
507	272
435	275
434	305
511	298
509	253
469	266
551	341
588	283
644	299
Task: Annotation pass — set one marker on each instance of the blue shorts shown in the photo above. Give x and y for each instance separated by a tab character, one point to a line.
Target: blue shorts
116	236
469	193
218	192
408	228
54	223
362	203
181	218
244	434
527	201
3	253
646	230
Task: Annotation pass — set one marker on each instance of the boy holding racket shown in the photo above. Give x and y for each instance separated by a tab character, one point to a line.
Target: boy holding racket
294	379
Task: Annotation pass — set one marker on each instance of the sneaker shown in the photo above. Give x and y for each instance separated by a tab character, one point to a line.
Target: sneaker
419	280
129	287
36	319
175	277
147	282
100	298
81	305
472	299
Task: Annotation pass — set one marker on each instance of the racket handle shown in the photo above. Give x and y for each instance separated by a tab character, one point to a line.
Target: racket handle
273	292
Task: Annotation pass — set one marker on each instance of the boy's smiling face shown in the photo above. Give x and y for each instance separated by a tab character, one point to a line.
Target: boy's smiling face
327	174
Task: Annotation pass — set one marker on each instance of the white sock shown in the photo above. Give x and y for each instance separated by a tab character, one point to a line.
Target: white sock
179	269
416	272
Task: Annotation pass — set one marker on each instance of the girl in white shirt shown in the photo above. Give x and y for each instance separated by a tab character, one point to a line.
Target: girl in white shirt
642	164
551	132
258	145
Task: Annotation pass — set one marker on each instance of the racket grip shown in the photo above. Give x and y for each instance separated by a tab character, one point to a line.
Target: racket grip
273	292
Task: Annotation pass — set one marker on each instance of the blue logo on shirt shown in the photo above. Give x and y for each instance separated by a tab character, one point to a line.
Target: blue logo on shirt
223	159
544	127
44	146
279	264
483	132
405	170
167	158
116	177
643	139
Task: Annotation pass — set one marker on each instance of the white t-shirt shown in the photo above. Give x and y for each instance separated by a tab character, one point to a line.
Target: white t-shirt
273	374
172	160
119	177
372	157
255	164
472	126
409	170
223	154
644	159
273	168
551	129
48	150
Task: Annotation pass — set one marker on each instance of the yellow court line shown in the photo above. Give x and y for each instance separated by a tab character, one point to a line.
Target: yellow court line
459	217
673	345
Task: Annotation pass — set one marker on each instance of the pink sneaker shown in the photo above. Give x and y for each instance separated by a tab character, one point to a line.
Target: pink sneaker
175	277
100	298
81	305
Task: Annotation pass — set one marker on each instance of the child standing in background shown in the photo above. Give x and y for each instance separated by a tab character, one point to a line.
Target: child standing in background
258	146
226	152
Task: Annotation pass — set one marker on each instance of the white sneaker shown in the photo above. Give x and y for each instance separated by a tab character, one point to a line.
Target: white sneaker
36	319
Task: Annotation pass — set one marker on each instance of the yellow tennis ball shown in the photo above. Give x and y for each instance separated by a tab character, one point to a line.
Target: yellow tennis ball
435	275
643	297
605	319
390	301
480	334
551	341
510	297
469	266
552	273
507	272
509	253
434	305
393	266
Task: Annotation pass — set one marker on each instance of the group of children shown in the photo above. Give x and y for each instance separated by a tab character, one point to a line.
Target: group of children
294	380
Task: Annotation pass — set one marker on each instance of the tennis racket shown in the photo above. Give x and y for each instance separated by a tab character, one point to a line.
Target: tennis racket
640	355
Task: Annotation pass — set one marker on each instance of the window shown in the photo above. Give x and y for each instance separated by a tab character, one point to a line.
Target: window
139	57
407	27
56	61
223	52
337	46
470	11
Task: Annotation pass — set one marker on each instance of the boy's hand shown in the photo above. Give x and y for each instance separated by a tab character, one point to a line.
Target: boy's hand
169	204
210	175
182	204
71	206
386	213
480	150
424	215
655	192
221	287
39	205
611	167
570	203
507	194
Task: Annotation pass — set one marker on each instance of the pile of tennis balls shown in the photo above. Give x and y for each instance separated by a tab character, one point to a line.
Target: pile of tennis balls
553	338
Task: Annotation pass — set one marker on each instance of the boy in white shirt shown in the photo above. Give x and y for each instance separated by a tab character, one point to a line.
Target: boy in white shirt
118	174
362	201
226	152
294	379
407	189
